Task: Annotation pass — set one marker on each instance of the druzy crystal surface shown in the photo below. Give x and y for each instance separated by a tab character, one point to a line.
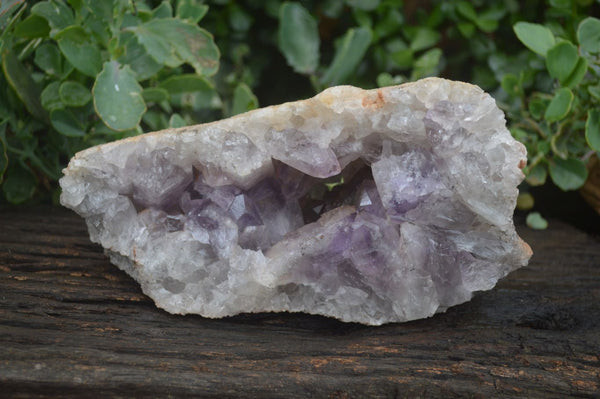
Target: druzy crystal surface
369	206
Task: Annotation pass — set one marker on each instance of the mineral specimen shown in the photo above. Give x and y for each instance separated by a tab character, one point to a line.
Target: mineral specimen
369	206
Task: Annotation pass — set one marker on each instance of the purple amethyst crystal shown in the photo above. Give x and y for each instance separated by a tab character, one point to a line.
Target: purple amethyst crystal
369	206
159	181
368	200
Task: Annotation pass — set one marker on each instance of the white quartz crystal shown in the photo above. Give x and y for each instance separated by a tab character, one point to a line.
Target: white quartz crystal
369	206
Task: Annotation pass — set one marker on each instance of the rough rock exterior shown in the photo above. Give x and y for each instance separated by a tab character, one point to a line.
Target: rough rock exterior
369	206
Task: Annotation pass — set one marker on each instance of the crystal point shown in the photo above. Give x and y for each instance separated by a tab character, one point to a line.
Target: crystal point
369	206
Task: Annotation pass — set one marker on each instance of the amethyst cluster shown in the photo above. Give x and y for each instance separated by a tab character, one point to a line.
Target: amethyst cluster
368	206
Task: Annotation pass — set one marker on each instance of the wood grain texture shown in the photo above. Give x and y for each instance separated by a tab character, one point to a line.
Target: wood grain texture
73	325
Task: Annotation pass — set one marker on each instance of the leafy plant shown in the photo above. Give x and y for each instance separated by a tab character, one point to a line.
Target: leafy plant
553	106
559	122
85	72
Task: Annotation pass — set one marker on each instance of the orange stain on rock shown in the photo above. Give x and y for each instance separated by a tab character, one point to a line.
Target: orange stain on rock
372	101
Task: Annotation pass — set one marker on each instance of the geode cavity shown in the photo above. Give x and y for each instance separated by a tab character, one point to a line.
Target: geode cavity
369	206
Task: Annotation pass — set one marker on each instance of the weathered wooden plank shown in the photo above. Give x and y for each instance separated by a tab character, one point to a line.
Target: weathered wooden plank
71	324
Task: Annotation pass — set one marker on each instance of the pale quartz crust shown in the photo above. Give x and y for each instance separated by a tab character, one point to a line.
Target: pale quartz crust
185	212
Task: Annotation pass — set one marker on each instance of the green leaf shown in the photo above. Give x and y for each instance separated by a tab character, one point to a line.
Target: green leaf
577	74
403	58
155	95
19	184
142	16
197	100
536	221
79	50
164	10
48	58
536	37
487	25
588	34
594	91
495	12
32	27
177	121
23	84
9	12
569	174
298	37
9	8
185	83
560	105
525	201
561	3
74	94
137	58
558	143
191	10
519	134
592	129
424	38
118	97
101	33
56	12
78	4
66	123
386	79
243	100
155	120
348	55
104	9
561	60
173	42
362	18
537	106
537	175
466	10
390	23
191	91
50	97
366	5
544	146
466	29
427	63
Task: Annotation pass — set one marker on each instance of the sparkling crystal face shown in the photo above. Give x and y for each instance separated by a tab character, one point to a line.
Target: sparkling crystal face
374	207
